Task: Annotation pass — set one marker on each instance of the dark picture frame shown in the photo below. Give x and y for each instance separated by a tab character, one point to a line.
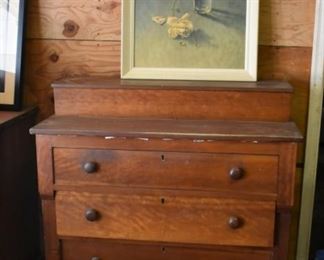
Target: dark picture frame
13	101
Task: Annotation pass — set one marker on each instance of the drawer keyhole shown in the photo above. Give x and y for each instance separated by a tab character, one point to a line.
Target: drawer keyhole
162	200
162	157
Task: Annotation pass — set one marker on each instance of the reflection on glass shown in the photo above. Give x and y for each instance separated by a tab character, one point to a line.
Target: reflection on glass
8	38
203	6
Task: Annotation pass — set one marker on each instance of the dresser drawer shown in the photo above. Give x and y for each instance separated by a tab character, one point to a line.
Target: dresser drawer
167	219
173	170
105	250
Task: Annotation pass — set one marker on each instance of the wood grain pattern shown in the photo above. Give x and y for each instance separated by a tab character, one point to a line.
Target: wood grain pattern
163	103
287	169
44	167
168	219
269	86
277	63
52	244
177	104
48	60
171	170
194	130
85	249
287	22
284	151
82	20
157	144
170	192
282	23
283	235
292	65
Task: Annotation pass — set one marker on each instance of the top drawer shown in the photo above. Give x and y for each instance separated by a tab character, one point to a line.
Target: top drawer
172	170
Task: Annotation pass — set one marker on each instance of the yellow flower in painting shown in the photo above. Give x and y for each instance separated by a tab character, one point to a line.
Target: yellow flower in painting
181	27
178	27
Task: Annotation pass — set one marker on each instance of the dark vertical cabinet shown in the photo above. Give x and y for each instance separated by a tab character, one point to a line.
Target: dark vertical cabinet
317	238
19	206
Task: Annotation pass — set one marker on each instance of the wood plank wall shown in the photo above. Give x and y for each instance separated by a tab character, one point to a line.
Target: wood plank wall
82	37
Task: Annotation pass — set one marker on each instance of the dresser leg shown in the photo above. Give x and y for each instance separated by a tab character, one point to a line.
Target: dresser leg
283	230
52	244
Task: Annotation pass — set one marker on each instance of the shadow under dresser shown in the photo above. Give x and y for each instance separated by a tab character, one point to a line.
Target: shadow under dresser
147	170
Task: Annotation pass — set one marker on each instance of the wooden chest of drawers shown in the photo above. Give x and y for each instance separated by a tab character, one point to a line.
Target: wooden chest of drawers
145	188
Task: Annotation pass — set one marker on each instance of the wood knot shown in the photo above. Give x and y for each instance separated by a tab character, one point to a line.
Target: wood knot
54	57
108	7
71	28
113	5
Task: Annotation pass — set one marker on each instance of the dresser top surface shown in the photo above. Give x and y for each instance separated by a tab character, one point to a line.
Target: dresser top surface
115	83
9	117
168	128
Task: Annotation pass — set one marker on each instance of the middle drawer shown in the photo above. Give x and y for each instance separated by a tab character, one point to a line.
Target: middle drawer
172	170
175	219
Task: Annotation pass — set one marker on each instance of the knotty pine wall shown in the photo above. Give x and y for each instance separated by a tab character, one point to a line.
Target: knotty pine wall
82	38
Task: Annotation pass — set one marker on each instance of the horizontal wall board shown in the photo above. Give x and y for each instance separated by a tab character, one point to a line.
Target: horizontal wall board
74	19
287	22
282	22
49	60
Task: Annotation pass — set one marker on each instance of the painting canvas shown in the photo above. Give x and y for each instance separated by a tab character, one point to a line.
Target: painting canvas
190	39
11	22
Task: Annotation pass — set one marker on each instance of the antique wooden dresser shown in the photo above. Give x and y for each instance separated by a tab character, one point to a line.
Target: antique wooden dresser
150	170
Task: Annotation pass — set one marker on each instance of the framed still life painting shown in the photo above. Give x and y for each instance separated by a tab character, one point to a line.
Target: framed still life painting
190	39
11	40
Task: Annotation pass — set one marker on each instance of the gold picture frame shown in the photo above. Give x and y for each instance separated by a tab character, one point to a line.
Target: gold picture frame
146	32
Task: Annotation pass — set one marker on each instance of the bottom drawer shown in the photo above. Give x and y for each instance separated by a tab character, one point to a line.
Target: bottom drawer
105	250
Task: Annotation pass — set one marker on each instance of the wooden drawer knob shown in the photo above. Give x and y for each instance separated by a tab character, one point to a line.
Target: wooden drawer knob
90	167
92	215
234	222
236	173
95	258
